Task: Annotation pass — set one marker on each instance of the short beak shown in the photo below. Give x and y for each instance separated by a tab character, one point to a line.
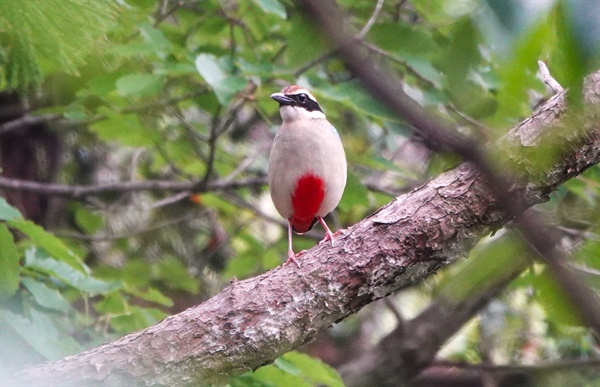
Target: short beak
282	99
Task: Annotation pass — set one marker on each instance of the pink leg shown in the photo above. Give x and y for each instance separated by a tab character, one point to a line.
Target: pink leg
328	233
291	256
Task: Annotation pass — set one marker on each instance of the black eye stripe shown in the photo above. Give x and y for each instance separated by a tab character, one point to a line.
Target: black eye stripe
304	101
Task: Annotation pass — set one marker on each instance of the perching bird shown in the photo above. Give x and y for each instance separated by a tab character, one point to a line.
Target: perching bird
307	165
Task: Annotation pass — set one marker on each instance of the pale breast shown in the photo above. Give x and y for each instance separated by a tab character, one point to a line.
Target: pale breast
300	148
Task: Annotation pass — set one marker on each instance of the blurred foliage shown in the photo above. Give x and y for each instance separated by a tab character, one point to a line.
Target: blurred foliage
171	90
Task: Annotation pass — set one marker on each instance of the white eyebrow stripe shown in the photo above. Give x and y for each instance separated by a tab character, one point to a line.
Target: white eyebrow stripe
304	91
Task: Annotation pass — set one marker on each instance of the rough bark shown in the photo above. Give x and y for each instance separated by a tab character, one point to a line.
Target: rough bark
411	347
438	134
252	322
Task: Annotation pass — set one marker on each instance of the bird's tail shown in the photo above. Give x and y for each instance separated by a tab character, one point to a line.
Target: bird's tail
300	226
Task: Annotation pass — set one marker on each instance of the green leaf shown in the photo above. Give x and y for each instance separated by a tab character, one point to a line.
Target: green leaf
304	42
354	96
136	272
489	263
404	37
249	380
41	333
273	7
215	73
126	129
8	212
139	85
41	261
101	85
556	302
314	369
516	75
285	365
112	304
355	193
292	369
53	245
588	252
219	203
176	276
156	38
89	221
46	296
152	295
9	263
137	319
274	376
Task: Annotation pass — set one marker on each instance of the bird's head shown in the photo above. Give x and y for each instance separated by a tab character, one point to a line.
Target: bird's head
297	103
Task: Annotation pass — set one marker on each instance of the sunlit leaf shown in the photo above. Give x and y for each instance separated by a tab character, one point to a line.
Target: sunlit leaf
53	245
214	72
41	333
46	296
8	212
87	220
155	295
355	194
125	129
556	302
39	260
136	319
176	276
112	303
139	85
9	263
312	368
272	6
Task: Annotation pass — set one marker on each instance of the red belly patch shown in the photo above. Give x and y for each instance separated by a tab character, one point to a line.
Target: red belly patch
306	200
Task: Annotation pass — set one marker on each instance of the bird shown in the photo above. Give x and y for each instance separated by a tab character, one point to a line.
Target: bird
307	165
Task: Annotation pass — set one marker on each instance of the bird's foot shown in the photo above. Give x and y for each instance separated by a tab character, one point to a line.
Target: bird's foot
292	257
329	237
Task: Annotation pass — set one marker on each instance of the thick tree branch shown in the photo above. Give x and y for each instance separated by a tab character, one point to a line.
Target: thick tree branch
254	321
411	347
439	135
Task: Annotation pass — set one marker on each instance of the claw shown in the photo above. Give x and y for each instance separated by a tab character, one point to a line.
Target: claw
328	234
292	257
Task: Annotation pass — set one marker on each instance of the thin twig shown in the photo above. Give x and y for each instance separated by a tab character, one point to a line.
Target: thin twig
328	55
81	191
171	199
108	237
164	14
548	79
27	121
371	20
60	123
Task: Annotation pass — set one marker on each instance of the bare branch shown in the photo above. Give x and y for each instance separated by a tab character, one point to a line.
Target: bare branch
328	55
371	20
80	191
548	79
26	121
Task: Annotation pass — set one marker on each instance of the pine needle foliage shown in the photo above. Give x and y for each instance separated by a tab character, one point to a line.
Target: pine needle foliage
35	34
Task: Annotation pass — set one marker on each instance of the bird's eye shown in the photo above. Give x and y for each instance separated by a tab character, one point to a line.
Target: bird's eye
302	97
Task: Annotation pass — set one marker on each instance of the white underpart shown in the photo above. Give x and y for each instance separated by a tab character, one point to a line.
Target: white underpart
306	143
